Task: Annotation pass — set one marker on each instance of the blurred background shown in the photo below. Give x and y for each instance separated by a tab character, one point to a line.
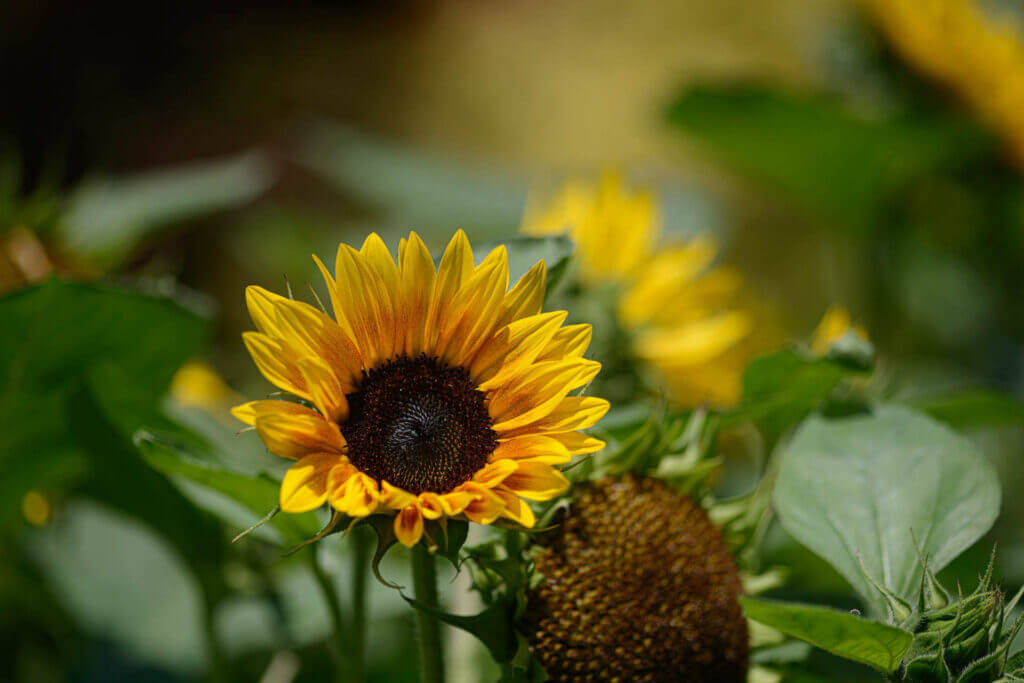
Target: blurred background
866	154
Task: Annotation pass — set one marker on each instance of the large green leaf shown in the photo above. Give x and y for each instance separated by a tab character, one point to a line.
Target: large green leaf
866	486
826	157
106	217
64	335
973	409
258	494
878	645
780	389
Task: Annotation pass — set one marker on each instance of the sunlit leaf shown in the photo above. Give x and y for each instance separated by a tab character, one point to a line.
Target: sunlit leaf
973	409
865	486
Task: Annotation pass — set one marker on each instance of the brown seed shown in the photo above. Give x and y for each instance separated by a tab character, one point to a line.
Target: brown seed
637	580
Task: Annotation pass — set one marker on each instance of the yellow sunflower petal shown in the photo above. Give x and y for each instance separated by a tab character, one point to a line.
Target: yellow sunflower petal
324	388
514	347
534	448
377	257
484	507
249	412
357	496
571	341
536	481
538	391
455	268
306	330
431	505
394	497
454	502
527	296
494	473
409	526
294	435
472	315
695	343
516	508
577	443
304	487
276	360
573	413
416	291
366	302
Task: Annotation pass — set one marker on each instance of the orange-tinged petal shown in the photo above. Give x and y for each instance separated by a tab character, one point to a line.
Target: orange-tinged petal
415	291
357	496
574	412
276	359
431	505
538	391
536	481
325	388
295	435
306	330
494	473
304	487
379	260
409	526
470	318
365	299
516	508
534	448
484	507
514	347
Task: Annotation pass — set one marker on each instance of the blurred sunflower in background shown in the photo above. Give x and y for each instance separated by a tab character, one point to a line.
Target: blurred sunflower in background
675	310
431	394
956	44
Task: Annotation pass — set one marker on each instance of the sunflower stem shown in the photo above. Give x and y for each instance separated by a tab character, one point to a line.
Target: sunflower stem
361	554
218	672
330	594
424	583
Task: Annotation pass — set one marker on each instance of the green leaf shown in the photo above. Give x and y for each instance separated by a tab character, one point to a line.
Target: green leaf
258	494
827	158
105	218
69	334
878	645
120	479
780	389
861	486
976	409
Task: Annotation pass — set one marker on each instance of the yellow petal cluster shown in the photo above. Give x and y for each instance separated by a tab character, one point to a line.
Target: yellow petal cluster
525	362
676	303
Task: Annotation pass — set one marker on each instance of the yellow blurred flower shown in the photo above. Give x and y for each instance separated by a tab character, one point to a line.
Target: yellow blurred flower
36	508
197	385
675	303
954	43
834	325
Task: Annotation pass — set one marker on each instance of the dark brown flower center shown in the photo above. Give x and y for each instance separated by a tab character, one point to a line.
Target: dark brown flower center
418	424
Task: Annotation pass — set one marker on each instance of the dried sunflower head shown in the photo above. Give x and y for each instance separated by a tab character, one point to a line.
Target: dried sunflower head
637	585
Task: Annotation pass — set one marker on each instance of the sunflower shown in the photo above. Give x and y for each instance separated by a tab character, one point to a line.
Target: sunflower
835	324
636	584
429	395
674	304
955	44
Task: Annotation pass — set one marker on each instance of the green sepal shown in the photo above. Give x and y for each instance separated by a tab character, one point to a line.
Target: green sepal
492	626
445	537
384	526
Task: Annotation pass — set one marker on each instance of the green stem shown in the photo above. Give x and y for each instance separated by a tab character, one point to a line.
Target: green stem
330	595
361	554
218	671
424	583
